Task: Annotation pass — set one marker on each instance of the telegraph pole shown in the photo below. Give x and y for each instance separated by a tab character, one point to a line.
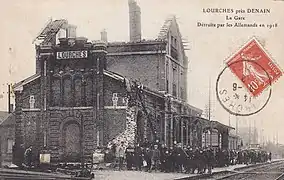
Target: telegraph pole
9	98
262	133
277	138
209	112
10	83
237	125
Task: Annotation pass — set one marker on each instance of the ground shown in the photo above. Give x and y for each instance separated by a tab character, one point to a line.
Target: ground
130	175
117	175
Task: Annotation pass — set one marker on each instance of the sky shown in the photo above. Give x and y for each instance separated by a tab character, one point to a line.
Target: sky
21	21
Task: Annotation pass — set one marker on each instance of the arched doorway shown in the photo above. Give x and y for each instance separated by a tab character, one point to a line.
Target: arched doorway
72	142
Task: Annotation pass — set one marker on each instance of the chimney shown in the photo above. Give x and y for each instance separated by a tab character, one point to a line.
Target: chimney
61	36
71	31
134	21
66	35
104	35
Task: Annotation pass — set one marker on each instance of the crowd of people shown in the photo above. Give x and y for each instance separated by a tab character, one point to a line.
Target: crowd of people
158	157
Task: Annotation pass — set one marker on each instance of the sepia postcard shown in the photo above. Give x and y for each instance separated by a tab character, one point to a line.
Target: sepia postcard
142	89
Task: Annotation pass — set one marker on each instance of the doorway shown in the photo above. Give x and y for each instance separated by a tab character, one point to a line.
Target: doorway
72	143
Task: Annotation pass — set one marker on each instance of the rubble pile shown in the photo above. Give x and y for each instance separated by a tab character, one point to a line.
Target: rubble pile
128	135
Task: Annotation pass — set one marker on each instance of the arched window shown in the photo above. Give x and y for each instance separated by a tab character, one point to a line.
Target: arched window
55	91
78	91
67	91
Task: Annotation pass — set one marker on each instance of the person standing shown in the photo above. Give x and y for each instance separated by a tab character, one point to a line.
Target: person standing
113	151
209	155
129	157
180	157
163	158
138	158
147	157
201	161
121	154
155	158
28	157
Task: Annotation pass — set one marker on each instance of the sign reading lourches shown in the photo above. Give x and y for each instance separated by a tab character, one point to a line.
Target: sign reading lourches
72	55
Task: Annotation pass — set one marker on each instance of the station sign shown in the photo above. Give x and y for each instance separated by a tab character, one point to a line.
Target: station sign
72	54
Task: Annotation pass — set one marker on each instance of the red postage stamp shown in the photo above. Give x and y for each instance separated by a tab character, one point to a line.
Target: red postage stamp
253	66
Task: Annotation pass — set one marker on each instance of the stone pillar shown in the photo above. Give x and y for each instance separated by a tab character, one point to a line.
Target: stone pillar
187	132
165	128
171	130
99	62
190	131
19	129
225	140
181	131
19	134
176	128
45	55
169	122
199	135
218	138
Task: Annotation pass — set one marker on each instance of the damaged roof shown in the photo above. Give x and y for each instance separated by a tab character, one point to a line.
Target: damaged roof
19	86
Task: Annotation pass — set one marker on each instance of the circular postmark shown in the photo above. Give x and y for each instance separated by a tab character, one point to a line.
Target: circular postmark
236	95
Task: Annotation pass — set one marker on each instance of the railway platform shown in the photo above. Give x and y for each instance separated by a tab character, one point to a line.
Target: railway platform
129	175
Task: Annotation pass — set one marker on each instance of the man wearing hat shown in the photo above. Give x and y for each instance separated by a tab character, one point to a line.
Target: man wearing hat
155	157
121	154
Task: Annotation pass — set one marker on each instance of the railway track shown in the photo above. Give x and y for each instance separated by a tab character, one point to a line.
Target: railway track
272	171
24	176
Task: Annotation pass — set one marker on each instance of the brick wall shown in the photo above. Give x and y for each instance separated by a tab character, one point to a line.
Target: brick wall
32	88
154	70
59	120
116	122
147	69
29	120
136	46
115	118
113	86
7	133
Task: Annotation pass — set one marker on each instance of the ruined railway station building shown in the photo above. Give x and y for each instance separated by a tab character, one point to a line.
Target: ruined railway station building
86	95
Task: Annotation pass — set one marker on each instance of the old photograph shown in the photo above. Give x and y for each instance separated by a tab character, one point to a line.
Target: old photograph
142	89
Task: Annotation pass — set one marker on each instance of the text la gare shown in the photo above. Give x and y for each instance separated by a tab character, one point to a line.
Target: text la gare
235	18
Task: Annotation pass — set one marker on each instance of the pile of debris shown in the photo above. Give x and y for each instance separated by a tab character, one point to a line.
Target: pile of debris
128	135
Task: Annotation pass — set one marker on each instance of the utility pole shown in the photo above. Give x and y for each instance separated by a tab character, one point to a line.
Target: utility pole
9	98
237	125
209	113
277	139
262	133
10	79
